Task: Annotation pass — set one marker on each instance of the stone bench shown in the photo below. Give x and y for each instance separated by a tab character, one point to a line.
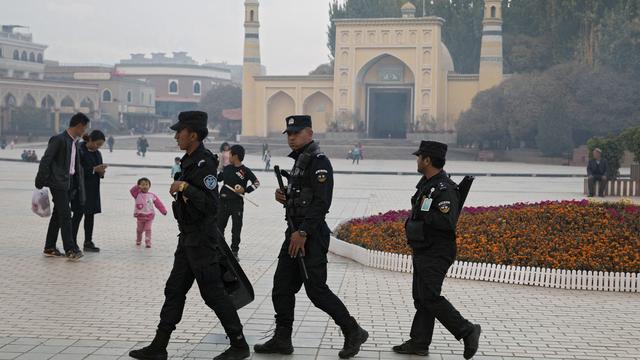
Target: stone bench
619	187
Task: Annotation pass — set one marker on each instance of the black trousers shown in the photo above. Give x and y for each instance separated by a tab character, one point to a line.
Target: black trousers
289	278
602	184
429	271
61	220
199	263
234	209
88	226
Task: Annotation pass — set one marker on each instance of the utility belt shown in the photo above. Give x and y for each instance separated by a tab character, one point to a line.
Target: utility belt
230	197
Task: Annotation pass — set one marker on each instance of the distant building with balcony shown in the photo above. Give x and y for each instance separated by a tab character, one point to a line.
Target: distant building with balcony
179	81
124	103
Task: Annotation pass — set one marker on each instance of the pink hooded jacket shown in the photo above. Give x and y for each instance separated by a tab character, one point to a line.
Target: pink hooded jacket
144	204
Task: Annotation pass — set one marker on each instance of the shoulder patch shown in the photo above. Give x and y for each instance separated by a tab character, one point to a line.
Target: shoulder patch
210	182
202	163
444	206
320	155
443	186
321	175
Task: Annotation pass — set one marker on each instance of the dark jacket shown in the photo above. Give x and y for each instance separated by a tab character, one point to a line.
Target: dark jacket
89	160
196	207
53	171
435	205
595	169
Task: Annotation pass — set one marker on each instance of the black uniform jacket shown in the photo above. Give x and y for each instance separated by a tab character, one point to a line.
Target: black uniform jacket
435	204
196	207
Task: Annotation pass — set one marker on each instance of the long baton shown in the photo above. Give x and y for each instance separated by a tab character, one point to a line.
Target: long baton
241	195
299	256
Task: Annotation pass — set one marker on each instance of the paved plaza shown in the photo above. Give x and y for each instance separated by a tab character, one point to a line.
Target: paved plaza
108	303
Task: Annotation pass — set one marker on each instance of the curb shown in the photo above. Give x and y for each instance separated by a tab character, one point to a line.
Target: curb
520	275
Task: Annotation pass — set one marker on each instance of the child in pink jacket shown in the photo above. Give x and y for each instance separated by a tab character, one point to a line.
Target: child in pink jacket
144	211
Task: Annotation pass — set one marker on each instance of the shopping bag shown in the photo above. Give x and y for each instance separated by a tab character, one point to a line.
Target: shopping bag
40	204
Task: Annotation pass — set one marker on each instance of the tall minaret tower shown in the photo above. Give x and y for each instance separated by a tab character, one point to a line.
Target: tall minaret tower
491	50
250	67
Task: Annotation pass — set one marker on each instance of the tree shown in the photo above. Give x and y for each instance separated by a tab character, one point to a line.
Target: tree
553	110
218	98
323	69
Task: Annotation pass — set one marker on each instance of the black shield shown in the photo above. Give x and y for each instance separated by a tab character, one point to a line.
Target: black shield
235	281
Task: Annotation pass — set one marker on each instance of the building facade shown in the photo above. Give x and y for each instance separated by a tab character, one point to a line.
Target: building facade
391	77
179	81
124	103
30	104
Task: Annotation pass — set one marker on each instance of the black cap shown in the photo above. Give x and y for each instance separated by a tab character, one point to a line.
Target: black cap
195	120
432	148
296	123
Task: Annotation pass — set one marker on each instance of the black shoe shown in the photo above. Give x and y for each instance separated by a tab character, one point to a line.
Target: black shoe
157	350
91	247
353	338
74	255
149	353
234	353
235	254
471	342
52	253
280	343
411	348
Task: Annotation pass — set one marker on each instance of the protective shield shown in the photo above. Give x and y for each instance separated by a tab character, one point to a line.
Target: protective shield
235	281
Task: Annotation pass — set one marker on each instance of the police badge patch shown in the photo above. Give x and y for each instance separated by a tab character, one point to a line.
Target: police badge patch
444	206
210	182
321	175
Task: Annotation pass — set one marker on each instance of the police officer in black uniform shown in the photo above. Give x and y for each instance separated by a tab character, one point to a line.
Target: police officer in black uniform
431	233
309	196
197	256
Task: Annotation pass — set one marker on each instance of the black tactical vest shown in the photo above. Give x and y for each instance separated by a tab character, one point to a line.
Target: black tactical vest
299	191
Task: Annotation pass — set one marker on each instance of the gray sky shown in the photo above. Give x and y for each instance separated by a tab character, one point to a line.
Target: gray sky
292	33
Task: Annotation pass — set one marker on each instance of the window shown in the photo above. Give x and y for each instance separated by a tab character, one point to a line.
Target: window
32	57
196	87
173	86
129	97
40	58
142	98
16	55
251	15
150	100
493	11
1	55
106	95
24	56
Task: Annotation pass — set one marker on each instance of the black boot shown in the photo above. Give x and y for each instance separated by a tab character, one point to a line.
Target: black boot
157	350
410	347
280	343
354	336
471	342
89	246
238	350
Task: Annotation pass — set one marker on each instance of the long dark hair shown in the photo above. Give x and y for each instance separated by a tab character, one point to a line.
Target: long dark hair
95	135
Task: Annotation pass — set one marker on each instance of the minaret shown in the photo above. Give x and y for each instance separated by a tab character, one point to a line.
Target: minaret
250	67
491	49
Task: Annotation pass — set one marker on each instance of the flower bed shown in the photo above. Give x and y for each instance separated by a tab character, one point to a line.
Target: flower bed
578	235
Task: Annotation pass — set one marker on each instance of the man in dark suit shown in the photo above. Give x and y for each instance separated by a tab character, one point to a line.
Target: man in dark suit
60	170
597	172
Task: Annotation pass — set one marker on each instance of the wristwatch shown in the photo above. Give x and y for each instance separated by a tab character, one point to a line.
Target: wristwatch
302	233
182	187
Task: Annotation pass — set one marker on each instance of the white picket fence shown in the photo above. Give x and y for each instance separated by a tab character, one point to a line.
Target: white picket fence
521	275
